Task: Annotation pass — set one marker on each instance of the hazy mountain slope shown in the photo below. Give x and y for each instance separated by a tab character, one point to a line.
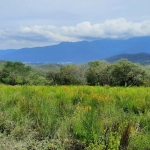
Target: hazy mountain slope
78	52
6	52
142	58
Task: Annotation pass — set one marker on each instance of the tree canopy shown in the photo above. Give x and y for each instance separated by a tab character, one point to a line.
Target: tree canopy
120	73
15	73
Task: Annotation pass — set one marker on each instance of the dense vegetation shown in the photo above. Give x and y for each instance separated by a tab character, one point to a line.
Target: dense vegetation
120	73
74	118
102	117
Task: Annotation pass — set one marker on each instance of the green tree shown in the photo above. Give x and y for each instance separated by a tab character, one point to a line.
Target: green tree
36	79
53	77
72	74
126	73
98	73
15	73
69	74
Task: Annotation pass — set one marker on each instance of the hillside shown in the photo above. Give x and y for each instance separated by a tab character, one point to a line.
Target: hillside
78	52
142	58
2	62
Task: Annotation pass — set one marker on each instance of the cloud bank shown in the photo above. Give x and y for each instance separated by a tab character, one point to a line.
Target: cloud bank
48	35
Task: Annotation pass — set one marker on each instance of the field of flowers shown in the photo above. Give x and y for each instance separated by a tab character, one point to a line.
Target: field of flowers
74	118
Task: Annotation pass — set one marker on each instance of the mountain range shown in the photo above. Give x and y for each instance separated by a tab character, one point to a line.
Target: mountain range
80	52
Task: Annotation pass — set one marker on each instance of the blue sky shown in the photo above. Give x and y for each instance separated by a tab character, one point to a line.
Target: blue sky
31	23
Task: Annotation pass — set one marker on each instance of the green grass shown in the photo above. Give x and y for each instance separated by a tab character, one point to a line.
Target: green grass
74	117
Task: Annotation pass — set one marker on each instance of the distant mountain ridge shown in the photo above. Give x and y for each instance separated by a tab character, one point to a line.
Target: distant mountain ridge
142	58
78	52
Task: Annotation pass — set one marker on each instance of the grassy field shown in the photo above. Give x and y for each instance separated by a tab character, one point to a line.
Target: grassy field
74	117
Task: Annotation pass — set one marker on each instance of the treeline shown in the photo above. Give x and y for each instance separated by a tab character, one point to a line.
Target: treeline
120	73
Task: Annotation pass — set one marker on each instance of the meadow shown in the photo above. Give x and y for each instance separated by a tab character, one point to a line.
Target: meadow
74	118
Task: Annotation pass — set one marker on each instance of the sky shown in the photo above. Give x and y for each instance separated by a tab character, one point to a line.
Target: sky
33	23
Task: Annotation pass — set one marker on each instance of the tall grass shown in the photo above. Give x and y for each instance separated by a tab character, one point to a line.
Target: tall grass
74	117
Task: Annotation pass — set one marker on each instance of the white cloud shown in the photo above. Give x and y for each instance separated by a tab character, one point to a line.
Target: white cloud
46	35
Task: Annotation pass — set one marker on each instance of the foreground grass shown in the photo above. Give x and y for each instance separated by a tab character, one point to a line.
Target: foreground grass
74	117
